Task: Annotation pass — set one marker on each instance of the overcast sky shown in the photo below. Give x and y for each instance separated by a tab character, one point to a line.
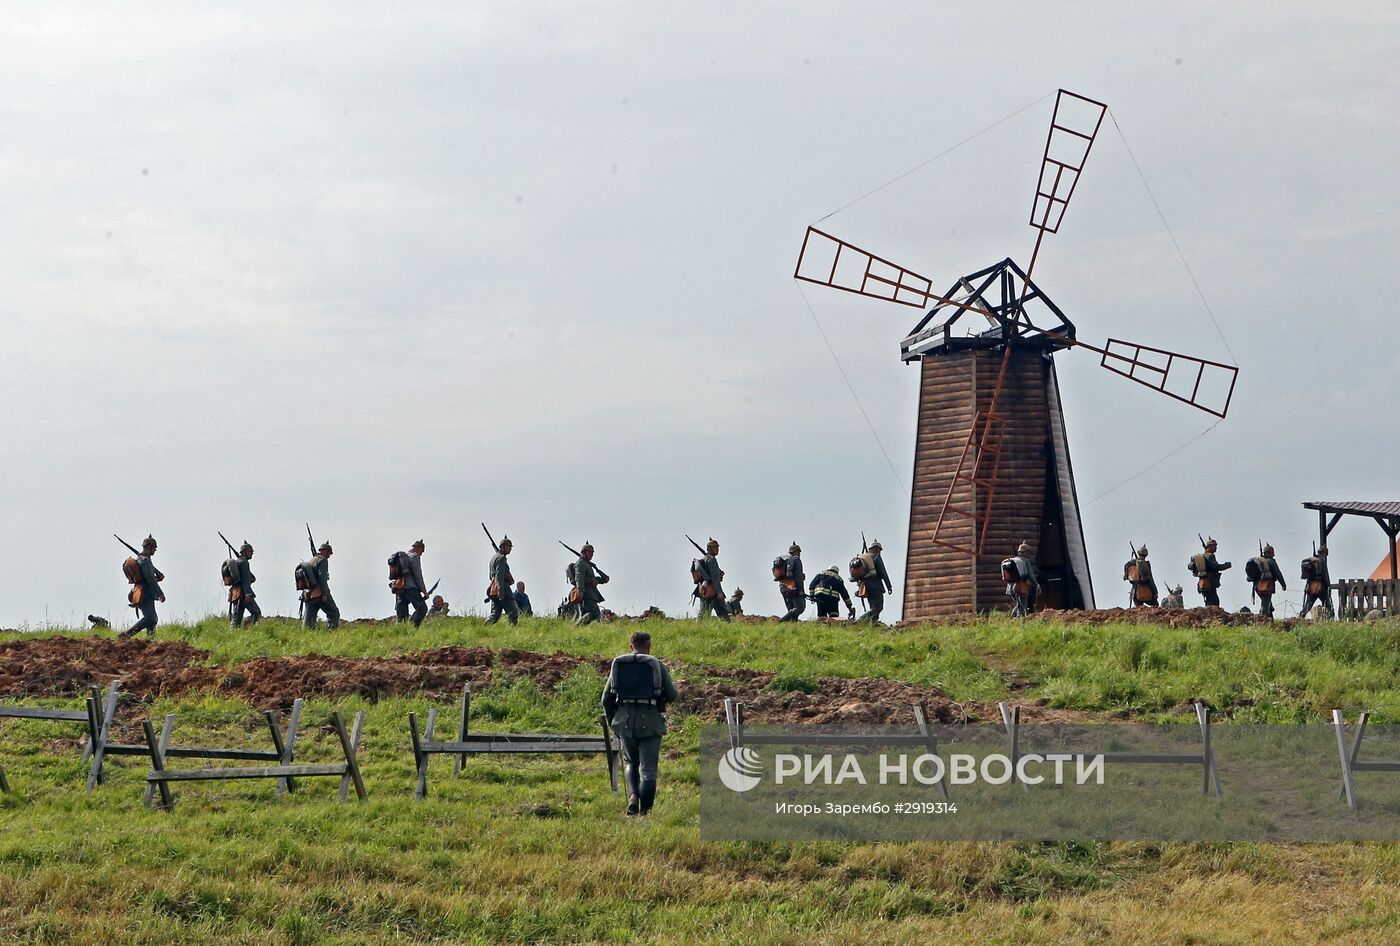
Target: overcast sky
395	269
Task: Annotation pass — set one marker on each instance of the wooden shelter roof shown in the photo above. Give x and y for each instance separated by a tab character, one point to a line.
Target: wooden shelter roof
1382	510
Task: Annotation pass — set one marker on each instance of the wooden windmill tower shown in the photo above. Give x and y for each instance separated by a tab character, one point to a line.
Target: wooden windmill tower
991	459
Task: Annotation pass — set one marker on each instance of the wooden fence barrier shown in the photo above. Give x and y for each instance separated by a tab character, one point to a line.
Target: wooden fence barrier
1011	721
87	716
159	747
1350	761
282	751
925	737
470	743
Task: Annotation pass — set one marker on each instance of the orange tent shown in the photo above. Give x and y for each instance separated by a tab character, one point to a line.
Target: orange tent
1383	569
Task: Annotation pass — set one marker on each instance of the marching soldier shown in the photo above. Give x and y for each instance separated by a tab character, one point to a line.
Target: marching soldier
499	593
145	591
245	599
1263	574
439	608
586	582
638	690
825	589
790	582
1022	582
873	582
736	602
1175	600
317	597
1207	571
409	587
1138	571
709	583
1317	582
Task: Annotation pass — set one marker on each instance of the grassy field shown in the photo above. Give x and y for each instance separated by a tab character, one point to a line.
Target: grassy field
539	851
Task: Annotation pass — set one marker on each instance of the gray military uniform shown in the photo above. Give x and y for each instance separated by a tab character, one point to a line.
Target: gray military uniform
326	602
1324	595
499	569
151	578
876	583
247	599
794	598
1268	569
709	567
413	590
1021	606
636	714
586	581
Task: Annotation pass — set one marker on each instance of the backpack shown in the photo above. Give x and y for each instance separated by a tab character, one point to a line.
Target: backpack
1197	565
1307	570
396	569
232	572
697	573
1130	571
780	568
305	574
635	679
571	572
859	568
131	568
1254	569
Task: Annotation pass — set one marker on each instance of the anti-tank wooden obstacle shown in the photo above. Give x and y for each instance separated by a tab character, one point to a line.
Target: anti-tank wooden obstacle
473	743
86	716
282	751
1210	776
991	459
1351	763
160	777
925	738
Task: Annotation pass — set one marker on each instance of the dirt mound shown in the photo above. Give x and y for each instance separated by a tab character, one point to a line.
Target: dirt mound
1190	617
65	666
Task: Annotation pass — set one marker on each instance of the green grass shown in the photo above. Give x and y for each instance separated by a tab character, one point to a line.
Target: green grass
537	850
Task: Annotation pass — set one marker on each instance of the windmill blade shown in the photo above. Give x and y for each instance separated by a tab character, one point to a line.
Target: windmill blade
1206	385
1073	128
829	261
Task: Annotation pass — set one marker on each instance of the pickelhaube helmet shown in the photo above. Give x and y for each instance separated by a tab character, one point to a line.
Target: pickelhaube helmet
246	548
418	544
713	541
587	546
325	548
1268	551
1211	543
875	544
148	540
794	548
1142	552
1023	549
738	592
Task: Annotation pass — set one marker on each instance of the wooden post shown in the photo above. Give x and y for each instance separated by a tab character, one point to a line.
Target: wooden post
94	697
4	782
419	759
349	746
1339	725
347	779
157	765
104	732
286	747
461	758
165	730
931	740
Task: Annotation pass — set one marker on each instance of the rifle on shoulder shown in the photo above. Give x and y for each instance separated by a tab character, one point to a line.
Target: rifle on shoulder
126	543
488	535
310	541
602	574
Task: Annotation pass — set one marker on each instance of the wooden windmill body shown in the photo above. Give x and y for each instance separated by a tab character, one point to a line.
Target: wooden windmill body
991	462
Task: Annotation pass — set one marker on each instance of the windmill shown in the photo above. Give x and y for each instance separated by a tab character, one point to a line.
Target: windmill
991	459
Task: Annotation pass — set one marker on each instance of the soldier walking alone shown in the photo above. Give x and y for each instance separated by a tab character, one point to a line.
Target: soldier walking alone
1263	574
501	591
316	596
145	591
586	582
1022	582
638	690
241	594
1207	571
1317	582
406	580
1138	572
709	582
788	573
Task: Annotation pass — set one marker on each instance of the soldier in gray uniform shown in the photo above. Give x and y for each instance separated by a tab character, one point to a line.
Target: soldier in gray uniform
736	602
638	690
246	599
409	594
146	592
587	580
1023	590
710	590
1268	576
1143	587
792	584
501	592
1207	571
1175	600
1317	582
876	582
319	598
